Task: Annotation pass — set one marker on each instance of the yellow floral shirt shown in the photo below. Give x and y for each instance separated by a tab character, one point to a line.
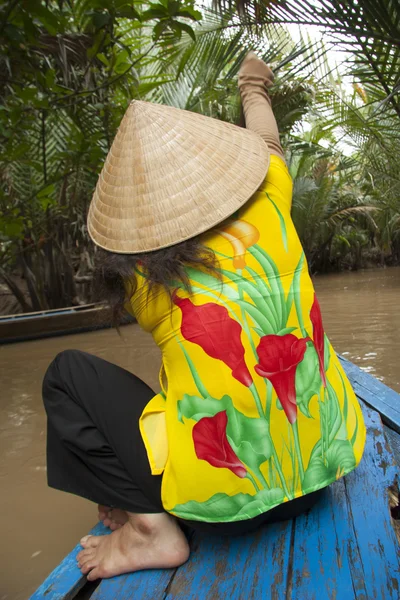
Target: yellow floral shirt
255	408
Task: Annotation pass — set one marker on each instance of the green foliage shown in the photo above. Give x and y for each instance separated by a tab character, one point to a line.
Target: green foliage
346	209
68	71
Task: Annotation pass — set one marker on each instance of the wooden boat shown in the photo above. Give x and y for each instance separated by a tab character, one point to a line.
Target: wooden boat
344	548
59	321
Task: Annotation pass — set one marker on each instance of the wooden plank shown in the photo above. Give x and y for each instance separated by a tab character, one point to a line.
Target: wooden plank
146	585
394	442
375	393
367	497
253	566
66	580
347	547
326	562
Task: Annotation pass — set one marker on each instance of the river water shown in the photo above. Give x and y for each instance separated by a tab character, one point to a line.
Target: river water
39	525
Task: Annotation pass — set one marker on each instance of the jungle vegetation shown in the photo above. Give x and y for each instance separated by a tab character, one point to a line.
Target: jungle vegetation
68	69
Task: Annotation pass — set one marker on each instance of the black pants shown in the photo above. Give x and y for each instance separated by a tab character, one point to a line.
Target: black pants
94	446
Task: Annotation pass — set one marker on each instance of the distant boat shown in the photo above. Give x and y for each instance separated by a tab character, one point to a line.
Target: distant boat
58	321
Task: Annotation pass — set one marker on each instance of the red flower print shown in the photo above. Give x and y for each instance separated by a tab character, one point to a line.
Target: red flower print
279	356
318	335
211	444
210	326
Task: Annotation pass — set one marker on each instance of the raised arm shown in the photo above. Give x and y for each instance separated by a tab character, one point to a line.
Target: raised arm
255	78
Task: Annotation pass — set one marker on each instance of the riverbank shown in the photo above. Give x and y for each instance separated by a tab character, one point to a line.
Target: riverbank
9	305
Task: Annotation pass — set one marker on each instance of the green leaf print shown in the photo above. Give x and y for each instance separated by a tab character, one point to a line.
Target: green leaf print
262	301
295	285
308	380
327	352
354	436
255	431
248	436
264	499
194	407
196	378
295	294
336	426
339	460
214	508
257	316
281	222
249	456
258	331
287	330
346	400
221	505
259	281
213	283
274	280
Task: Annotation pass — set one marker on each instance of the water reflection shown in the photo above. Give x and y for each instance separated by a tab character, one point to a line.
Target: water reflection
361	317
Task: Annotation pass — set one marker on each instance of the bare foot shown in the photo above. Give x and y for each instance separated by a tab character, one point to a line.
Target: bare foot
152	541
113	518
103	511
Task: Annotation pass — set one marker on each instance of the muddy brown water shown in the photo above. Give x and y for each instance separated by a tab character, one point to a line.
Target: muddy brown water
39	525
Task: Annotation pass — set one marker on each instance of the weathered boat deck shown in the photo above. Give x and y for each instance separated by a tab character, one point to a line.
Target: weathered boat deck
345	548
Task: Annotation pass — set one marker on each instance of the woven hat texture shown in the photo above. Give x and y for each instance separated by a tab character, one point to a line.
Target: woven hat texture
170	175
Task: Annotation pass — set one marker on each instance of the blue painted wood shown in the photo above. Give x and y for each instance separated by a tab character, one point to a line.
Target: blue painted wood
394	442
236	568
326	563
66	579
367	497
346	548
144	585
375	393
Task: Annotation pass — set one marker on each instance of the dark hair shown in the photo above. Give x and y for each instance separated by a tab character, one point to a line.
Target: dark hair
162	267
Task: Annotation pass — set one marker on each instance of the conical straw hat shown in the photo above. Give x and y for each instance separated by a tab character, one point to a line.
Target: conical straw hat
170	175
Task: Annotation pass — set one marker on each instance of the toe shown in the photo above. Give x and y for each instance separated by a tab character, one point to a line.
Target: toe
103	511
80	555
89	541
114	526
87	566
94	574
107	521
84	540
85	555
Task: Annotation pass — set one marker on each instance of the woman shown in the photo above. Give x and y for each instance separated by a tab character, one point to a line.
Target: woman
256	415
